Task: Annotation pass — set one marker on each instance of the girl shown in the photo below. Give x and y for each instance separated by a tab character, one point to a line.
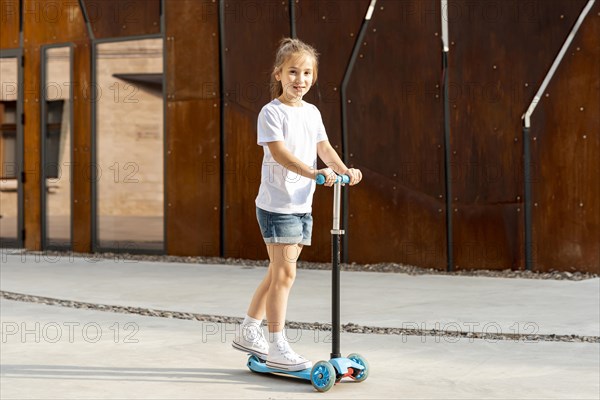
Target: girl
292	135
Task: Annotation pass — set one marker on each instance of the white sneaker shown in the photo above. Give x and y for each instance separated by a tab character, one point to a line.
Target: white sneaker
250	339
283	357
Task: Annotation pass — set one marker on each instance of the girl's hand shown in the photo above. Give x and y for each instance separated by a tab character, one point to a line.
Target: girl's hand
330	176
354	174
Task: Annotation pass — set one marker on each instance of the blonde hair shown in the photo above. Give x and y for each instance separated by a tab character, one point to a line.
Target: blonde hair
289	47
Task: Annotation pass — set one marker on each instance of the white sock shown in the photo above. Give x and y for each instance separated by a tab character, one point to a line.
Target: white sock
274	338
249	320
251	328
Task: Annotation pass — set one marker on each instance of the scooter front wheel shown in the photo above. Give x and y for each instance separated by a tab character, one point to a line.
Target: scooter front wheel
322	376
363	374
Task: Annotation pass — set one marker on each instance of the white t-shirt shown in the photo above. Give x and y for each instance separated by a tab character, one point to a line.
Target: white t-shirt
300	128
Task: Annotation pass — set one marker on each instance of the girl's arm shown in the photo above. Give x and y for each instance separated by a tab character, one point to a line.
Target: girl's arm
285	158
331	158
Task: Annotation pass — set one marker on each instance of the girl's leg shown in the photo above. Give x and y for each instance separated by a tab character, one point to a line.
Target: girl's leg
257	306
283	273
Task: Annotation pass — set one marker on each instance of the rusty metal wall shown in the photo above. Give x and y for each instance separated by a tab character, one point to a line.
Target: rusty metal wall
499	54
565	147
117	18
252	31
9	14
192	128
395	128
332	28
41	25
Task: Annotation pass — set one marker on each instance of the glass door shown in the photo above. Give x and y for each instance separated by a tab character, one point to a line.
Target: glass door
11	224
57	147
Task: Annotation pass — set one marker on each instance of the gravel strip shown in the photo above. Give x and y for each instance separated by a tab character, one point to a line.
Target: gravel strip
314	326
379	267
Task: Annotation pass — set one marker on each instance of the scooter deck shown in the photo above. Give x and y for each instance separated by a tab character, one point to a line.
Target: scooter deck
259	366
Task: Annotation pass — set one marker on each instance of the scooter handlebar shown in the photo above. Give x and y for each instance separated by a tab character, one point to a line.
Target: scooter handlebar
340	178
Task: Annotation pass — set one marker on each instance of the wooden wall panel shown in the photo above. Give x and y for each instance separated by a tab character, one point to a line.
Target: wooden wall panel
46	23
192	129
331	27
118	18
565	145
9	29
252	32
499	54
395	124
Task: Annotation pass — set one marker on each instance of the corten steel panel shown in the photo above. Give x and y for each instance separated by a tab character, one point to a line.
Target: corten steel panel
192	43
46	22
565	145
118	18
499	54
193	178
252	31
395	135
192	129
31	144
331	27
82	212
9	28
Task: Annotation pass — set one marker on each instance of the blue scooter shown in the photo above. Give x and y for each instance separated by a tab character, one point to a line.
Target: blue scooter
325	374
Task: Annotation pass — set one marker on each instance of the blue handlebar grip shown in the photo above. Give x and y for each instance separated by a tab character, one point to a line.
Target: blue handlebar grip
343	178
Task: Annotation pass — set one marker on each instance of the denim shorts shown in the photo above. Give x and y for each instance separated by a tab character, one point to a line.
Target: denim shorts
285	228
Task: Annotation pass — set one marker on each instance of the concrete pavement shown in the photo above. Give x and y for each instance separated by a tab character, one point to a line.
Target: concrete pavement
56	352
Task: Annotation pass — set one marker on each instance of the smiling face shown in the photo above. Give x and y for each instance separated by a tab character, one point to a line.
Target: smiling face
296	76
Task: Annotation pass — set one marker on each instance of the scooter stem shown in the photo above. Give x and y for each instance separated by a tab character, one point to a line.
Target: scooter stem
336	234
